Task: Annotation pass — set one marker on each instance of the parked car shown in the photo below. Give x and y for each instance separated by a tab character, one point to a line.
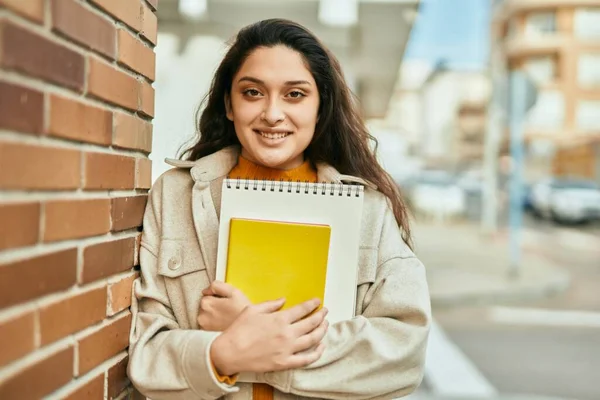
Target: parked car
436	193
566	200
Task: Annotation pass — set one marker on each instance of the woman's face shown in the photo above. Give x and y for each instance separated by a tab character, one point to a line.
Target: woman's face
274	107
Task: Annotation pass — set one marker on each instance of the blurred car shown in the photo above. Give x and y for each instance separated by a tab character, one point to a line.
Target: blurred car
436	193
527	196
566	200
471	181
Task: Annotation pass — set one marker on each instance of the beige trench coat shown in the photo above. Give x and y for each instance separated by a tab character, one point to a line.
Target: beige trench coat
378	354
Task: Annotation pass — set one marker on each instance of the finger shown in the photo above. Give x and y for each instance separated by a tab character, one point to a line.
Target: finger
310	323
311	339
208	292
305	358
301	310
268	307
221	289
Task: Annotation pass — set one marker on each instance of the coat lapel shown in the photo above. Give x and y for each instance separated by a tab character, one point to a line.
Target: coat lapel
206	198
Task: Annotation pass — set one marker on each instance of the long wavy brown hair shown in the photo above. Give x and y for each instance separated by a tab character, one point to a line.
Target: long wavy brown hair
341	138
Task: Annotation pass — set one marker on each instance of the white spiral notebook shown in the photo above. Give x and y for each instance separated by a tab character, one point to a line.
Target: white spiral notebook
336	205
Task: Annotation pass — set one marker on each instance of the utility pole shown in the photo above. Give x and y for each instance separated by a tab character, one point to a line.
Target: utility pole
523	95
496	117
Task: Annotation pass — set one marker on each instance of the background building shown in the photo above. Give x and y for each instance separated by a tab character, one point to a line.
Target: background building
557	42
453	108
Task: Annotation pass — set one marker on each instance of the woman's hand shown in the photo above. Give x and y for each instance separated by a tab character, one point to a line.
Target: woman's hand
264	339
220	305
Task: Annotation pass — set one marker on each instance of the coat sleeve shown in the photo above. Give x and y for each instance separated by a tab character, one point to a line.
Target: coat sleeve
381	353
165	361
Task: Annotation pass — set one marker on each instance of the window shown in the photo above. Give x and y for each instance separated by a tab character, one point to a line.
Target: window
589	70
588	116
548	113
542	70
540	23
587	23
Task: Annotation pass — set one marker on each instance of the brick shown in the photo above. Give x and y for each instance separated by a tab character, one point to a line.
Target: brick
31	9
41	378
109	171
136	55
105	259
131	132
103	344
38	276
20	224
153	4
38	167
21	108
127	11
92	390
77	121
146	99
113	85
149	24
119	294
71	315
117	379
127	212
143	173
39	57
84	26
64	219
19	332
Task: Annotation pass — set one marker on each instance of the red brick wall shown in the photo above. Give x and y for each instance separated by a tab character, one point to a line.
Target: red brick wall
76	105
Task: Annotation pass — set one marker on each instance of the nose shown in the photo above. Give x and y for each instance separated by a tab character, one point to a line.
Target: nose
273	113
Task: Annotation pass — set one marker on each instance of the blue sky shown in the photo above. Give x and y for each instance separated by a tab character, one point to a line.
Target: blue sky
456	31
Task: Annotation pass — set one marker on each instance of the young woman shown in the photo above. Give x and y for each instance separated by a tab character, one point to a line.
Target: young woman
278	108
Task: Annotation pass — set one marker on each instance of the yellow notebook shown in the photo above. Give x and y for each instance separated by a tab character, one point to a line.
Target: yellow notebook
268	260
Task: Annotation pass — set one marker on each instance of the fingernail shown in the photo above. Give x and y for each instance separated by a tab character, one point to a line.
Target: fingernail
325	311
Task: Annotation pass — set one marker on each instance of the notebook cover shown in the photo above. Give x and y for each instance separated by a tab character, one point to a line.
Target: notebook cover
268	260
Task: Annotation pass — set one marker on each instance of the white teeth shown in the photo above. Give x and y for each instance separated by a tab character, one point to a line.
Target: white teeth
273	135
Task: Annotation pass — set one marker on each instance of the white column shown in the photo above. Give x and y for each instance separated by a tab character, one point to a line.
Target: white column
193	9
343	13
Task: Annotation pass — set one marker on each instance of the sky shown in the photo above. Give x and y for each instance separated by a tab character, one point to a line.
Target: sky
452	31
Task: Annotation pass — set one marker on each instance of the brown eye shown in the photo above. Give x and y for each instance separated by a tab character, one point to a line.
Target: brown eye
252	92
296	94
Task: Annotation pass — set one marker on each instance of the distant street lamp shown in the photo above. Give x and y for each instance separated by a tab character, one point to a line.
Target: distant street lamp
193	9
339	13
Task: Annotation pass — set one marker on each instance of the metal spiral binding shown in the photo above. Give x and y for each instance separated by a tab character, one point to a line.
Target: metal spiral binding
321	188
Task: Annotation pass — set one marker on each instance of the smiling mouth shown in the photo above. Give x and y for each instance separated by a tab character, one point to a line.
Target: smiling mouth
273	135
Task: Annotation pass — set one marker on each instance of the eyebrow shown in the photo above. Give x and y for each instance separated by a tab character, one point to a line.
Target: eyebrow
259	82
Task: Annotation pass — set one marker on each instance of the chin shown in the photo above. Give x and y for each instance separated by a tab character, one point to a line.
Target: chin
273	161
275	158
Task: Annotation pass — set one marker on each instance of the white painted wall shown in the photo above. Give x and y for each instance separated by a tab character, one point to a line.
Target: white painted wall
183	80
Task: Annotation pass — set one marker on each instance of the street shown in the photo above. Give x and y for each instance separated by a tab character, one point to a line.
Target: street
548	346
